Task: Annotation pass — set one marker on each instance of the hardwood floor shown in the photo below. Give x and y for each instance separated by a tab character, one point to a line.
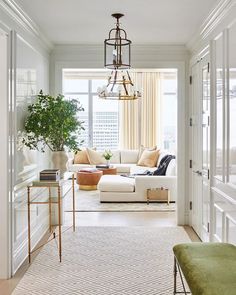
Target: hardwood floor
122	219
156	219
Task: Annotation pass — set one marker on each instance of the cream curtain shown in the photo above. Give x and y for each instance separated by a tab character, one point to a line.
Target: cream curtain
129	120
149	108
139	119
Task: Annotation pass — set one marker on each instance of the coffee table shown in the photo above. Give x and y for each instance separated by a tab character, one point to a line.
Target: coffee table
88	180
110	170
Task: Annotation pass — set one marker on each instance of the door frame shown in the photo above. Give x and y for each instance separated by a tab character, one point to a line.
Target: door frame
6	161
203	60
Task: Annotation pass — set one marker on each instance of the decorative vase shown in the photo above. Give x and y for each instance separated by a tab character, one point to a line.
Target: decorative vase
59	160
108	163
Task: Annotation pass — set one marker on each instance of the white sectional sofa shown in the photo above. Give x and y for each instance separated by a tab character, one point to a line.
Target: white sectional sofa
117	188
126	162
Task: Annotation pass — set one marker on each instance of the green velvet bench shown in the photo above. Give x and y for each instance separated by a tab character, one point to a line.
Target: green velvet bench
208	268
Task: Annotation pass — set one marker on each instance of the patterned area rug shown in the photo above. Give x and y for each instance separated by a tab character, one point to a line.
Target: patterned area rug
88	201
106	261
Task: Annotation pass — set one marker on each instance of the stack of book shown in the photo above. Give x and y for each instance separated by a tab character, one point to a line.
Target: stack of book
102	166
49	175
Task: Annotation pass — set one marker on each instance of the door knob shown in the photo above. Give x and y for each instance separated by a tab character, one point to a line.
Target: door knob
198	172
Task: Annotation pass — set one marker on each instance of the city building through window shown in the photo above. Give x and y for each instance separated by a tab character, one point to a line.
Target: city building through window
100	117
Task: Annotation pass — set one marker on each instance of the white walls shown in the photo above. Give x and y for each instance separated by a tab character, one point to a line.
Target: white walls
31	75
143	57
218	34
27	62
5	246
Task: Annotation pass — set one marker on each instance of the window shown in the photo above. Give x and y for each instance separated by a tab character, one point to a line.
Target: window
168	111
101	117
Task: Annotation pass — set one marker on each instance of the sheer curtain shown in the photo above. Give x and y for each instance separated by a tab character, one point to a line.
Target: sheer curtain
139	119
129	133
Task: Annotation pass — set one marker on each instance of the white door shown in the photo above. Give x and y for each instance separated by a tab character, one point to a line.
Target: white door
200	134
205	170
195	123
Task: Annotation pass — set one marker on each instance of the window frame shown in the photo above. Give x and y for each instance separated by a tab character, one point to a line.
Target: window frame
90	95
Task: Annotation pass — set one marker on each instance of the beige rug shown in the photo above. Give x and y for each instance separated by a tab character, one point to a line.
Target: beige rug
106	261
88	201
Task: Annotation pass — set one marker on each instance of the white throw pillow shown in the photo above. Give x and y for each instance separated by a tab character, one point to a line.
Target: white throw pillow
171	168
129	156
115	157
95	158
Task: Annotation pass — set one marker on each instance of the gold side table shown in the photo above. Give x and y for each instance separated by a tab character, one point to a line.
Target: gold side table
161	194
49	185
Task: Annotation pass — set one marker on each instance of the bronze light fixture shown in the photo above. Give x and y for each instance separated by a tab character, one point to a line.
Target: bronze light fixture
117	47
117	58
119	87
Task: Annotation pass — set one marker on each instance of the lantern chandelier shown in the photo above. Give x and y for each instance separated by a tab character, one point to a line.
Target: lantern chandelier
117	58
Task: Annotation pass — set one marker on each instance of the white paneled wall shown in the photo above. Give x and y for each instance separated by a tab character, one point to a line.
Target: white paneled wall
31	75
224	214
219	35
28	67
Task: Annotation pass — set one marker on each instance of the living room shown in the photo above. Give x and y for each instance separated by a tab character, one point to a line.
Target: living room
179	104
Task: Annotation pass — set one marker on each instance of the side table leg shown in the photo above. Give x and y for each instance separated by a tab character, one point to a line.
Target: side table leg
73	195
29	241
59	220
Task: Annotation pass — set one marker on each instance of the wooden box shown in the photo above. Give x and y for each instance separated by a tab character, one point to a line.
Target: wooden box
49	175
158	194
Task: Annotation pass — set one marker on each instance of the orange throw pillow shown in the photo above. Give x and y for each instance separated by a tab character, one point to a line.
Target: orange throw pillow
81	157
149	158
143	148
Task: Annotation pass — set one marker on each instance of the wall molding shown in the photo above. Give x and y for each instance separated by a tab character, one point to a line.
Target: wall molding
22	18
21	253
214	18
87	49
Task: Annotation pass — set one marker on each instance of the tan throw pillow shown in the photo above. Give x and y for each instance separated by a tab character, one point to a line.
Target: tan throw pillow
143	148
148	158
81	157
94	157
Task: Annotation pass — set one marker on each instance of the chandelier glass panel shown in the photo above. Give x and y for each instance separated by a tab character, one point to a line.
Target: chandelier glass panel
117	58
117	47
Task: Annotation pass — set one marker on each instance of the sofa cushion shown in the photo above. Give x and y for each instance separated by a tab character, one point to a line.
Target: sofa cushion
116	183
95	157
81	157
115	159
171	168
149	158
124	168
135	169
129	156
78	167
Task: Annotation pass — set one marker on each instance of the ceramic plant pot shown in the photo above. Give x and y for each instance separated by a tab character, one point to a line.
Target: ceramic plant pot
59	160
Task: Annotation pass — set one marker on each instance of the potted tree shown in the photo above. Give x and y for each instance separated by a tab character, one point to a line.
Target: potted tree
53	122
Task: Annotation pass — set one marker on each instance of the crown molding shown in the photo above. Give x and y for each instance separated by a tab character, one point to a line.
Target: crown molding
22	18
136	48
214	18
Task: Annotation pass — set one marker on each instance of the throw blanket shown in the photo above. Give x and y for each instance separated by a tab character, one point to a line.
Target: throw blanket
161	170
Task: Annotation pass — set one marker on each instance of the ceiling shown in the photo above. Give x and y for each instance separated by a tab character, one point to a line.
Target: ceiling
146	21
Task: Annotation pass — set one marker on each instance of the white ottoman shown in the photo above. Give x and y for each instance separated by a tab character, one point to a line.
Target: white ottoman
116	188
